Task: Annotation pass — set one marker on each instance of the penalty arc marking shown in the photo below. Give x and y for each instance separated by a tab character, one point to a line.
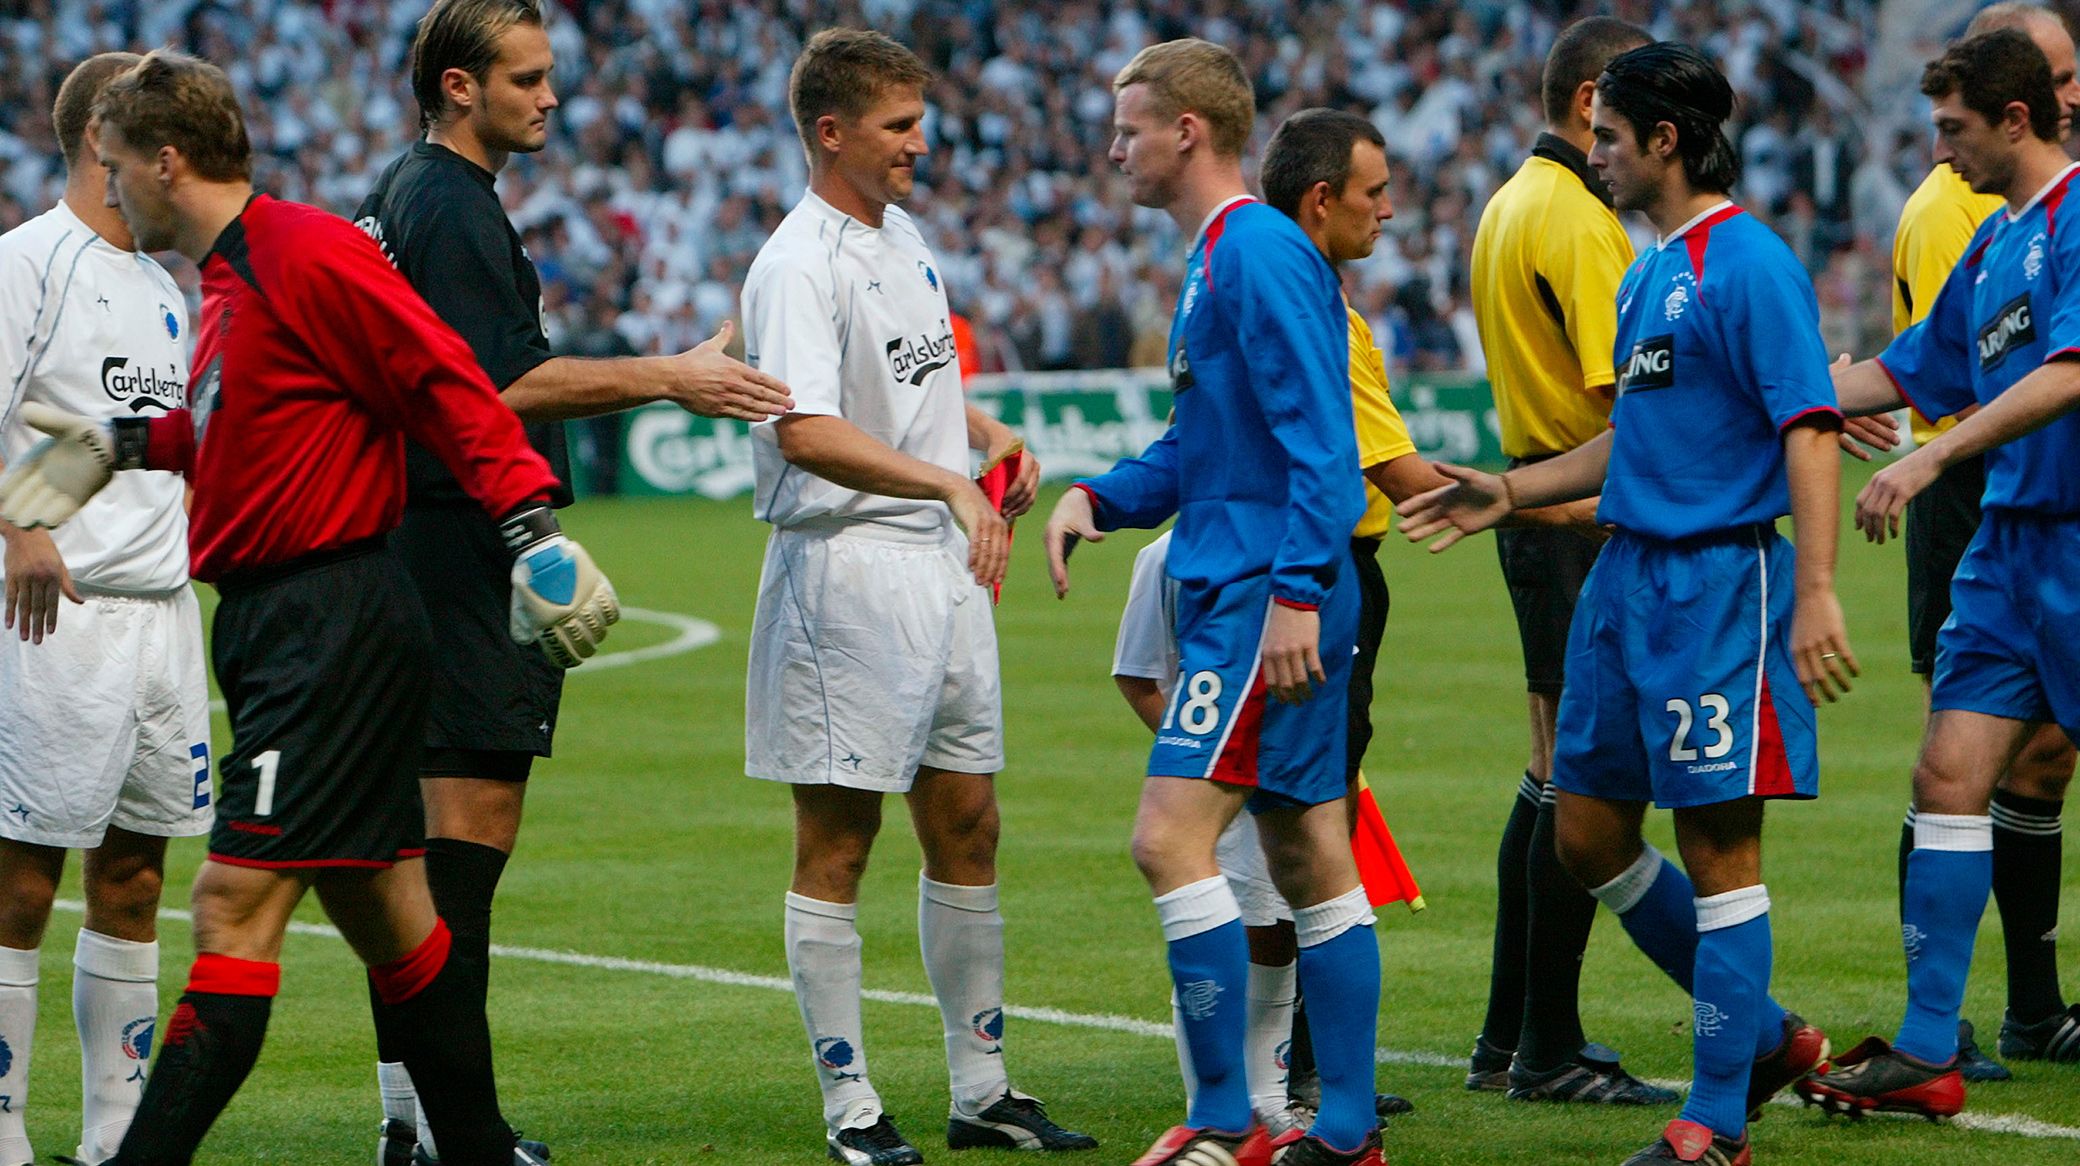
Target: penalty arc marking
2020	1125
692	635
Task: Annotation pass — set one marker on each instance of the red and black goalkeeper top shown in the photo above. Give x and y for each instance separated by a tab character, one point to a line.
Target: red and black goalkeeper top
316	361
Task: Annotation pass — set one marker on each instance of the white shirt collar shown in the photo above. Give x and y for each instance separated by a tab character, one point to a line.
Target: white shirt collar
1216	213
2039	195
1686	228
825	210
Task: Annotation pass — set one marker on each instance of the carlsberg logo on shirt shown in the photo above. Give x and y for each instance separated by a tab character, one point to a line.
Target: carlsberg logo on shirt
142	388
912	359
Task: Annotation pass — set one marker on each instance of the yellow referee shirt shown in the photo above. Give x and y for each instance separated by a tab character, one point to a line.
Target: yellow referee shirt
1547	260
1934	228
1382	434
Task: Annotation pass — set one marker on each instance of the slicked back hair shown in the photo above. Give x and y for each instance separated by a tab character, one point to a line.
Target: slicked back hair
461	34
1310	147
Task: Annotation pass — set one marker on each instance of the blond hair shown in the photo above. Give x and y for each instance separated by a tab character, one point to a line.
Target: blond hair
75	105
842	72
1198	77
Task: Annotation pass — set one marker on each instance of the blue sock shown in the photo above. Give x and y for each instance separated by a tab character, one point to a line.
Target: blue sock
1209	965
1732	990
1339	979
1949	875
1658	907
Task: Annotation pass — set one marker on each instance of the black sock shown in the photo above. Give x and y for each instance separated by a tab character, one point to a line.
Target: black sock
1561	914
1300	1053
1906	847
463	877
212	1040
1506	972
2026	869
440	1034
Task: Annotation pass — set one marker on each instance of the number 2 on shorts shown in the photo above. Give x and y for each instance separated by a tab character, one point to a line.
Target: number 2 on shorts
266	764
1679	748
1196	707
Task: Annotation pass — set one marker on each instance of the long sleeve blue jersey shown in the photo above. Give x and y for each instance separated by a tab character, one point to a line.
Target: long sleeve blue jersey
1260	467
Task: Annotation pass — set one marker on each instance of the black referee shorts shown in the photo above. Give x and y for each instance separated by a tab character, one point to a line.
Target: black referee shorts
1940	525
1545	567
494	702
322	662
1372	627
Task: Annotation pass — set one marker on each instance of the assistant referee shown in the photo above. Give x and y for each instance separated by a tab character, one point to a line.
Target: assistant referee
1547	259
480	72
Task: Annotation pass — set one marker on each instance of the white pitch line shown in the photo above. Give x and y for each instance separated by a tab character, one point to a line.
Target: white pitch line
2020	1125
694	634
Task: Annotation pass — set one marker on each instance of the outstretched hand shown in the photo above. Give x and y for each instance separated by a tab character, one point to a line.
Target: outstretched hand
1072	522
1473	502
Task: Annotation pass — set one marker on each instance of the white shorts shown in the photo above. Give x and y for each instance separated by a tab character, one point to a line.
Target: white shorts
872	654
1240	853
106	723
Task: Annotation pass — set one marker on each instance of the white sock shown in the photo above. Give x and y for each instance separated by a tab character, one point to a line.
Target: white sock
962	936
823	956
115	1005
18	973
1272	993
425	1131
400	1100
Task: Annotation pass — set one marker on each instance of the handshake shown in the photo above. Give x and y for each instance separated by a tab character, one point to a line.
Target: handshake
560	599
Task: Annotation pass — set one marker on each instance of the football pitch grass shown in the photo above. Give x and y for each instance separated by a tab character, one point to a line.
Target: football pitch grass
663	1034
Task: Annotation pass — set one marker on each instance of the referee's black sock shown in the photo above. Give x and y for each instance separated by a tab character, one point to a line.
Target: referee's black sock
1906	847
463	877
430	1007
1561	914
2027	837
211	1042
1512	909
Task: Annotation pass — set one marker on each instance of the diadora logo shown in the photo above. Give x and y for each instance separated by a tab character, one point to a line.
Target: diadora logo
2033	262
1652	365
1678	296
2012	327
210	391
141	388
913	359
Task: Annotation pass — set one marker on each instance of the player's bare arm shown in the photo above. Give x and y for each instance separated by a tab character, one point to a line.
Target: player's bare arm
2040	398
703	380
1145	697
836	450
1476	501
1819	637
993	439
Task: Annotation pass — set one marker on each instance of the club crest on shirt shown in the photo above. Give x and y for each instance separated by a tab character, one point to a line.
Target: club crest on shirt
913	358
931	277
2033	262
142	387
1678	297
2011	327
171	321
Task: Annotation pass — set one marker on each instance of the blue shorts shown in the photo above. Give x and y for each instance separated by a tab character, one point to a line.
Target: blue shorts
1222	725
1680	687
2011	647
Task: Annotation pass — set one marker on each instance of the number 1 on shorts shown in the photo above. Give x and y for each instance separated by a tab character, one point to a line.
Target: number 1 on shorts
266	764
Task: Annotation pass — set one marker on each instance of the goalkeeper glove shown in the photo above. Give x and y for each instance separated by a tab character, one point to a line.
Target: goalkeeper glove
560	600
61	473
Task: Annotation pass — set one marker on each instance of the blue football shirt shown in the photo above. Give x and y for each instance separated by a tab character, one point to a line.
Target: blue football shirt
1718	351
2011	304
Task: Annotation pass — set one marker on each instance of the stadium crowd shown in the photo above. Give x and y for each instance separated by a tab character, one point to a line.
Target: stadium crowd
672	156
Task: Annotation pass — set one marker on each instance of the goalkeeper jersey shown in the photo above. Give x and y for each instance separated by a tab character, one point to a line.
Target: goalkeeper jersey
315	360
95	330
1259	467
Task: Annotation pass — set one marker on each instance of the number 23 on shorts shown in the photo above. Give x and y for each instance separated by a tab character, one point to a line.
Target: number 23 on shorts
1714	709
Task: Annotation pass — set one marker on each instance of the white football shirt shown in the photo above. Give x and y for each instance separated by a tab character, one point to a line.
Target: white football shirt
95	330
1147	642
854	321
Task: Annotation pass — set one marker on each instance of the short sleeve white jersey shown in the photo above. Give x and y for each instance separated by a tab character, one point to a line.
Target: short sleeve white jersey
1147	643
92	329
854	320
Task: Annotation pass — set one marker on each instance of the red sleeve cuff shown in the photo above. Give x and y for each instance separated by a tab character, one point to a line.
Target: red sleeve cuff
1295	604
1815	411
1903	394
1097	503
